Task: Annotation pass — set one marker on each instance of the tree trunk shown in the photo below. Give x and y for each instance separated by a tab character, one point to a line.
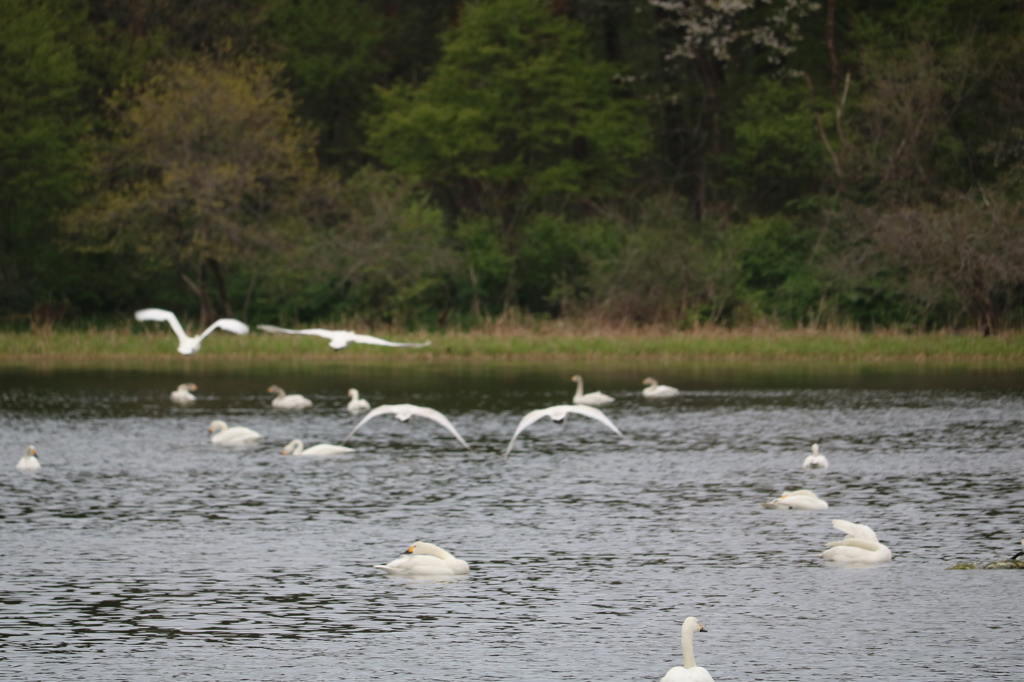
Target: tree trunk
207	313
222	292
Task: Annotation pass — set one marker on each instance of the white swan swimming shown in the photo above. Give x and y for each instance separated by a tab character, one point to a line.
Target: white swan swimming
187	345
594	399
656	390
183	394
689	671
295	448
29	461
815	460
796	499
284	401
425	559
860	546
558	413
357	405
236	435
405	412
340	338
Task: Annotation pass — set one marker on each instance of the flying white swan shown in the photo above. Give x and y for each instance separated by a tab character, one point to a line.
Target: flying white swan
295	448
796	499
357	405
236	435
29	461
656	390
187	345
689	671
339	339
283	401
558	413
183	394
815	460
425	559
403	413
860	546
594	399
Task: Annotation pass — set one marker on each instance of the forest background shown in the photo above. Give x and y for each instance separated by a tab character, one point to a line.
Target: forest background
438	163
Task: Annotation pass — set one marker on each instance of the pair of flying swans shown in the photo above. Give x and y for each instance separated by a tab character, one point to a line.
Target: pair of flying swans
29	461
557	413
689	671
339	338
188	345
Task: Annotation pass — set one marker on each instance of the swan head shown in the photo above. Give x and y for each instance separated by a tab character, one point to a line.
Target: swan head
649	381
421	547
576	377
187	387
188	346
353	393
216	426
337	343
691	625
292	447
30	451
276	389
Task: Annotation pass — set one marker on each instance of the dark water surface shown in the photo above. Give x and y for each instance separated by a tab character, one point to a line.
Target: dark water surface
142	552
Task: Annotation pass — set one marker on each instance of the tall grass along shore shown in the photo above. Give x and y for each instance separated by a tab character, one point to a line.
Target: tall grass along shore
532	342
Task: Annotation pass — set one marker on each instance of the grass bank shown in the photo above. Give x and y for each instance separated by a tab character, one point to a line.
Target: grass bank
536	342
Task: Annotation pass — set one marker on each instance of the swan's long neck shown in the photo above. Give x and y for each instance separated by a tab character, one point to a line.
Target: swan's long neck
688	659
354	394
428	548
579	386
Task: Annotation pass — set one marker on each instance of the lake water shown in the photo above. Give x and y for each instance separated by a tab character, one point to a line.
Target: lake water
142	552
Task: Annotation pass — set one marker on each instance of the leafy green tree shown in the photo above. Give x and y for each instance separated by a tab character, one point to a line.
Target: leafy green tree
776	153
332	56
208	168
516	112
42	159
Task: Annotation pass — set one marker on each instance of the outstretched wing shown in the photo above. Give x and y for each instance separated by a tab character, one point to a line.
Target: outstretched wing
593	413
375	412
530	418
228	324
305	332
433	414
558	412
374	341
161	315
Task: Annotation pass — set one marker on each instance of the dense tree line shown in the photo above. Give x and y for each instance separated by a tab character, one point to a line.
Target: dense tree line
432	162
